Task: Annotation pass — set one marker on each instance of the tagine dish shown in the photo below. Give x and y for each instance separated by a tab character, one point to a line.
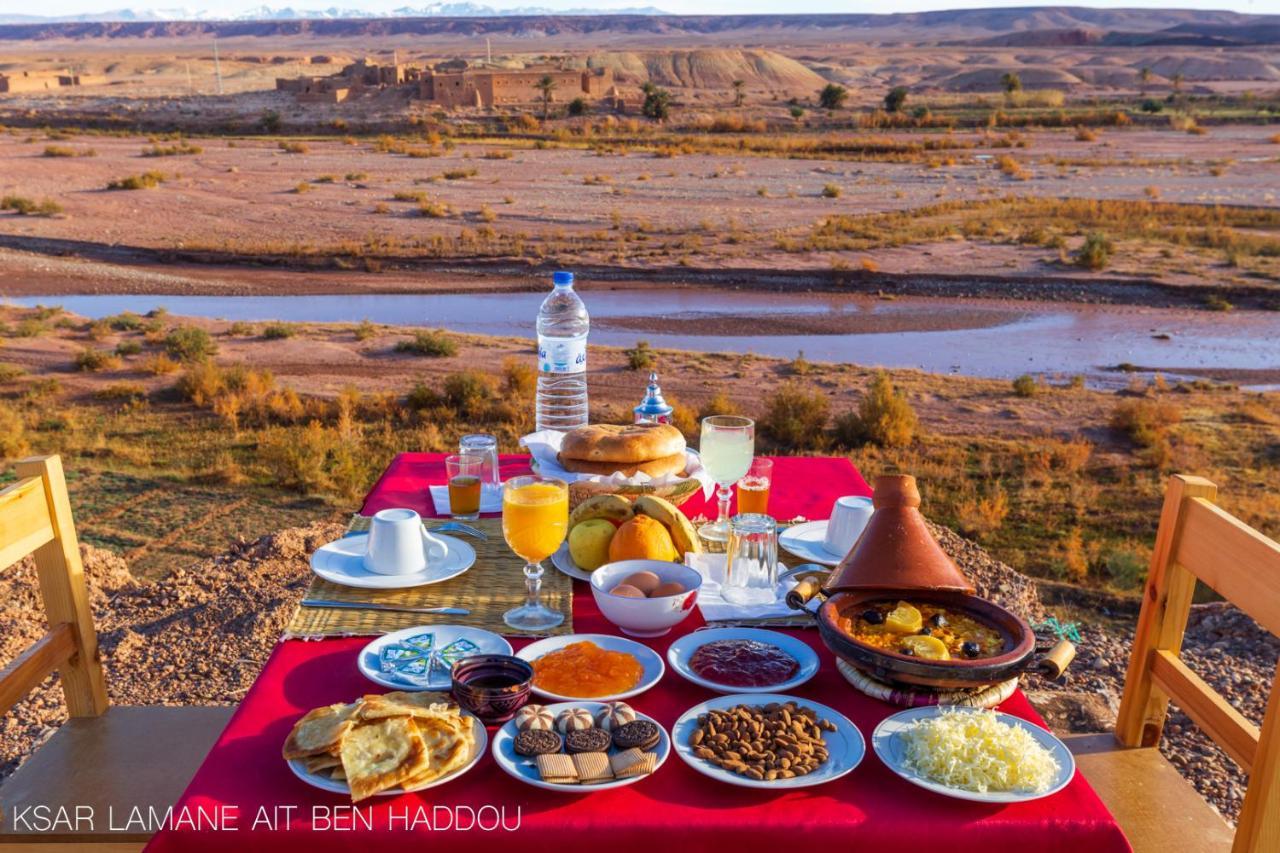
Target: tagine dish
384	744
923	630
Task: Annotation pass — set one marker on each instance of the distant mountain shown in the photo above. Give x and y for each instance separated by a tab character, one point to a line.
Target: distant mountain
267	13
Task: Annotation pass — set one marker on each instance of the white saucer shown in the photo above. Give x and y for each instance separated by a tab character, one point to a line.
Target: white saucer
342	562
805	542
680	652
436	678
563	561
650	661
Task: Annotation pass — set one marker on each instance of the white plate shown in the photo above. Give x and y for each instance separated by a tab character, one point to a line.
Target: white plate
371	666
338	786
805	542
342	562
845	746
887	742
526	770
563	561
682	650
649	659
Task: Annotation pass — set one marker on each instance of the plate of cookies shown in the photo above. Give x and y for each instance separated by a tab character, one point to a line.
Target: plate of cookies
581	746
806	743
385	744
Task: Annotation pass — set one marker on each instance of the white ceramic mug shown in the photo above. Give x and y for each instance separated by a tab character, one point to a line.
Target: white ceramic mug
849	517
400	545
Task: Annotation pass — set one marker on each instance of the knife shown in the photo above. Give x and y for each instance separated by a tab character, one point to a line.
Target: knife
358	605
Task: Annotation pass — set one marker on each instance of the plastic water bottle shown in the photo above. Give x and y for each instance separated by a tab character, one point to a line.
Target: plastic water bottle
562	358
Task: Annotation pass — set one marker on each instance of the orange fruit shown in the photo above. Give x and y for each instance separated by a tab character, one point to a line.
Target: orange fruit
642	538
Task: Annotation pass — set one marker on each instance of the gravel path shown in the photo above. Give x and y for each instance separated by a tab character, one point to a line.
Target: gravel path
200	636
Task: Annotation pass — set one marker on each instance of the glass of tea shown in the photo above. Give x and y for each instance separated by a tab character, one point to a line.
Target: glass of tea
464	472
753	489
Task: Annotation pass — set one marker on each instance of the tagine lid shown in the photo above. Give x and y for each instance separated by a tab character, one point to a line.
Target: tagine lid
896	551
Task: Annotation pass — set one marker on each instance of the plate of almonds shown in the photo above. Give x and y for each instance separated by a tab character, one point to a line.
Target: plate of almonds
768	740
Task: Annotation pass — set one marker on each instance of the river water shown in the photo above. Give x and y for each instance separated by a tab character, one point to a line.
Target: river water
992	338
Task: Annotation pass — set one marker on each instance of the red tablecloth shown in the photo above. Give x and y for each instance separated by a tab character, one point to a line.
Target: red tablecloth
244	780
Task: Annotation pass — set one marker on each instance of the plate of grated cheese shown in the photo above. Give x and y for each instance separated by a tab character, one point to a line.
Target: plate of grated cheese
973	754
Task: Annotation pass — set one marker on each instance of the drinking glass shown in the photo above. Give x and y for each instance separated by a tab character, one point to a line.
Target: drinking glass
726	446
535	519
486	447
463	472
751	560
753	489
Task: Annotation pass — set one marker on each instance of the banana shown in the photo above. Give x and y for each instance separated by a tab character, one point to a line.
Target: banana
612	507
683	534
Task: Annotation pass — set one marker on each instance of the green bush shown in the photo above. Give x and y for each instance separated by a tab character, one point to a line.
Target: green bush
240	329
796	417
469	393
279	331
1025	385
434	343
24	206
10	372
126	321
128	348
884	417
833	96
190	344
146	181
365	330
641	357
92	360
831	191
1145	422
1096	251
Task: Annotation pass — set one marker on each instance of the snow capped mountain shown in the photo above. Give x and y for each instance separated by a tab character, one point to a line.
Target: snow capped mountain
288	13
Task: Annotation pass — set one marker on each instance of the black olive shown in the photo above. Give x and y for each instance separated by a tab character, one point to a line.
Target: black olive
872	617
971	649
908	651
938	620
926	631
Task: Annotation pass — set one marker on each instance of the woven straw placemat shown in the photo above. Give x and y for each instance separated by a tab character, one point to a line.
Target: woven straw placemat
491	587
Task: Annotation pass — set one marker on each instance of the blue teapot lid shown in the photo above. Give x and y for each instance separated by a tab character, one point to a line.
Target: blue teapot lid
653	406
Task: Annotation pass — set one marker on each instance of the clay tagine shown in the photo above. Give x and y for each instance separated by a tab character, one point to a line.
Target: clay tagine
896	551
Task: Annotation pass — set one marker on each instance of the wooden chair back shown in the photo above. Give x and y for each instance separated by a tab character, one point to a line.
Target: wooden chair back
1198	540
35	518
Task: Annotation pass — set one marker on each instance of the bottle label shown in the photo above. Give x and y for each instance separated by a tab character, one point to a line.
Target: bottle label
562	355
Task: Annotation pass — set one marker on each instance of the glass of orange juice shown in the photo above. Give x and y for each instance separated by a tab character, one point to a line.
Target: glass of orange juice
753	489
535	519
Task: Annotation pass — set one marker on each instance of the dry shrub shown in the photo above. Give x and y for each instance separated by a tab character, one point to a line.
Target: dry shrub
720	404
92	360
978	516
685	419
469	393
884	418
1147	424
519	377
1075	559
13	439
160	365
796	417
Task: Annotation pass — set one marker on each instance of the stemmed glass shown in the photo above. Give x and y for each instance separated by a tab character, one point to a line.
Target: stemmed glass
727	445
535	519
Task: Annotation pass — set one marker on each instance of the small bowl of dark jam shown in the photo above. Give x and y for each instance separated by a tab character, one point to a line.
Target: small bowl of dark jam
493	687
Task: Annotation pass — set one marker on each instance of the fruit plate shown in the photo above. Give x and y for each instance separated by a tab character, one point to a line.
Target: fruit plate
681	651
526	770
563	561
339	786
433	662
888	743
845	746
650	660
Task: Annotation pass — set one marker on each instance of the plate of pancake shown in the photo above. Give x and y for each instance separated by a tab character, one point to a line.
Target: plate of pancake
385	744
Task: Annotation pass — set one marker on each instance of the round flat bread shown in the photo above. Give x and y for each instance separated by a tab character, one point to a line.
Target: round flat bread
622	443
654	468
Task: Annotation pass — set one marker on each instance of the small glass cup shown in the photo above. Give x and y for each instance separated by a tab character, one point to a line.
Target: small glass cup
751	562
753	489
486	447
464	473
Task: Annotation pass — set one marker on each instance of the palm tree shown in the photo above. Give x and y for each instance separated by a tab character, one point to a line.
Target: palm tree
739	95
546	86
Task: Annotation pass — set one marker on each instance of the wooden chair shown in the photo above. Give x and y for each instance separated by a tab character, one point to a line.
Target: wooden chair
102	758
1157	808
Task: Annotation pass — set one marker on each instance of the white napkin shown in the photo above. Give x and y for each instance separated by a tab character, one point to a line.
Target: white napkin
715	609
544	446
490	499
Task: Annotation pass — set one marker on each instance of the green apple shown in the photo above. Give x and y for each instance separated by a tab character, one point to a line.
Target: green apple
589	543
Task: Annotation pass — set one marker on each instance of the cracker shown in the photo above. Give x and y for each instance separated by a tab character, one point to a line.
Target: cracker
643	767
620	761
319	731
557	767
400	703
380	755
592	767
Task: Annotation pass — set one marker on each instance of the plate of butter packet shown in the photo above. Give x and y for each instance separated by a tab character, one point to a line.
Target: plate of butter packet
422	658
580	747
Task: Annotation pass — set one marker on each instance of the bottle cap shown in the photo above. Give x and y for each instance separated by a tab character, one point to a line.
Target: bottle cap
653	407
561	278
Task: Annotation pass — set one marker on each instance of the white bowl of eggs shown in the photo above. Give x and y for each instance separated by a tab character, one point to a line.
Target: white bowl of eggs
645	598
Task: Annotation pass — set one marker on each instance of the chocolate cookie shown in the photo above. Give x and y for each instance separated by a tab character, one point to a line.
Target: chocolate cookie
638	734
536	742
587	740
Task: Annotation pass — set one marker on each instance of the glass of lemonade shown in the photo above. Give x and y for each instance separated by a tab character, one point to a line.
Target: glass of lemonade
535	519
753	489
727	444
464	474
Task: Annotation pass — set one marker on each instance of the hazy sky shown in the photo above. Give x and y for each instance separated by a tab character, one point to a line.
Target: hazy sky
713	7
